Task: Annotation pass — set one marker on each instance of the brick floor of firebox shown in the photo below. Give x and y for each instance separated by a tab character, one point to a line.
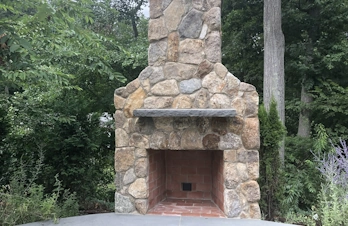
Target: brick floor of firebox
187	207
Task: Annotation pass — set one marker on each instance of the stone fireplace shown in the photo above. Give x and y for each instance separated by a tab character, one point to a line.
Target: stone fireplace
187	128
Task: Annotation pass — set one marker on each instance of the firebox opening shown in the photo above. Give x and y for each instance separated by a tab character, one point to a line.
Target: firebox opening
186	186
186	175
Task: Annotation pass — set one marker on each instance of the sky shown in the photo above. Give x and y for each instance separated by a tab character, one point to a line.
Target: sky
145	11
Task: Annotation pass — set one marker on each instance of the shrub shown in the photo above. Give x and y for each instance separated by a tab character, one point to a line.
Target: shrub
23	201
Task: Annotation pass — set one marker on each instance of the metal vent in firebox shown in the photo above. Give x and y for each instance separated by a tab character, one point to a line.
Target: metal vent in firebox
186	186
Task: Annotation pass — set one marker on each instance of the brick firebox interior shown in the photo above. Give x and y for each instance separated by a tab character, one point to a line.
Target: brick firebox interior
169	170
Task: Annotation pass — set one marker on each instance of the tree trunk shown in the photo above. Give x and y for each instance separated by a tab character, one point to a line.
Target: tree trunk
304	124
273	85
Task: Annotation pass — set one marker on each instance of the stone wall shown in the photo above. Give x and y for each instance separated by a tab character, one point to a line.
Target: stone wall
185	72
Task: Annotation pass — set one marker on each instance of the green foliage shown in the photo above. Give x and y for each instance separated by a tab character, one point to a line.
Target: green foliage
272	133
23	201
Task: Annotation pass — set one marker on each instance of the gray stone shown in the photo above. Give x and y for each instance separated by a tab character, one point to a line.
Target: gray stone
214	3
157	53
132	86
232	85
185	113
121	92
232	204
165	88
230	141
191	51
213	47
164	124
166	3
141	167
123	204
157	75
245	87
220	70
129	176
145	126
190	86
181	123
234	174
144	74
120	119
138	189
140	152
119	180
201	5
191	24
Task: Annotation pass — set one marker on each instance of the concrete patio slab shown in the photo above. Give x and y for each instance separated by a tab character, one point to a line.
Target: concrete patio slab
112	219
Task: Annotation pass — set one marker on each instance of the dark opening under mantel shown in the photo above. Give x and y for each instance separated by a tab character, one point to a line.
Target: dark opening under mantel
219	113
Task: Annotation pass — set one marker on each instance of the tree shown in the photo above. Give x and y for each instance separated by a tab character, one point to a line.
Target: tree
274	59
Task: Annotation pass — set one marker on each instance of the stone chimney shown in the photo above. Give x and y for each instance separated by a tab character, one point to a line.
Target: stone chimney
186	100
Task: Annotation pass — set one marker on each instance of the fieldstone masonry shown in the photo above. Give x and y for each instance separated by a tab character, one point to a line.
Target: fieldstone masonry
185	72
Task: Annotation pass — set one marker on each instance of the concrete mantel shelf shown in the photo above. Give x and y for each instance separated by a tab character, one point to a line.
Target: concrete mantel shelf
219	113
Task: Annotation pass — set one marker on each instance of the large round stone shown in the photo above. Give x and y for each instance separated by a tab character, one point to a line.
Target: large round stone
251	134
123	204
191	25
139	189
124	159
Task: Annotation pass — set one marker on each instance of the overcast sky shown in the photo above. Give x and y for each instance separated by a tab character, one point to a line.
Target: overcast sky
145	11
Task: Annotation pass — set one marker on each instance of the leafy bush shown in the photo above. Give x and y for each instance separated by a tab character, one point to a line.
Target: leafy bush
23	201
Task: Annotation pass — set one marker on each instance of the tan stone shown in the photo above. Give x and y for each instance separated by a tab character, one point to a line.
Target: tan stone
130	126
158	102
236	125
213	83
174	141
220	70
251	134
139	141
254	211
157	29
230	156
165	88
204	68
119	102
201	99
142	205
124	159
245	87
134	101
252	104
155	8
179	71
213	19
191	51
138	189
140	152
181	123
141	167
232	85
146	85
239	105
120	120
163	123
182	102
213	47
159	141
173	47
253	170
251	191
219	101
191	140
211	142
234	174
121	138
173	15
201	5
